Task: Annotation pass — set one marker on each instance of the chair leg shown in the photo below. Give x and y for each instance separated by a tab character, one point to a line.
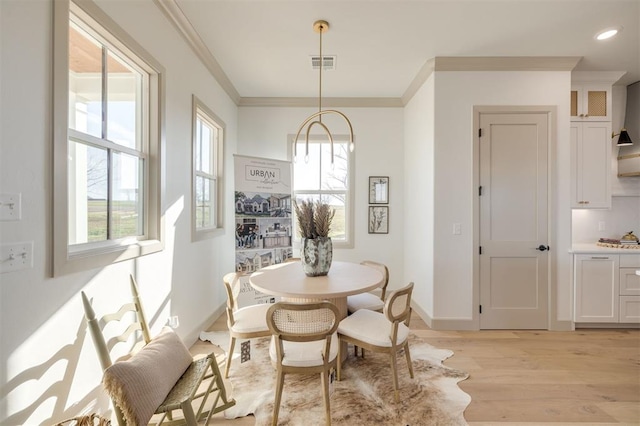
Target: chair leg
276	404
339	360
408	356
324	378
189	417
232	344
394	372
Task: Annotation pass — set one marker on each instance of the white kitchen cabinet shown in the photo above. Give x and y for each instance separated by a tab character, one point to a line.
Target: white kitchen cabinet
590	165
630	309
629	288
607	289
591	102
597	280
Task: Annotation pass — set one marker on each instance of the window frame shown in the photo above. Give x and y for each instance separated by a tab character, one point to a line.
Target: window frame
68	259
349	241
217	160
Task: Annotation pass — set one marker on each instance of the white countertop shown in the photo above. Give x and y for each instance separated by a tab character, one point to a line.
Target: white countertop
594	248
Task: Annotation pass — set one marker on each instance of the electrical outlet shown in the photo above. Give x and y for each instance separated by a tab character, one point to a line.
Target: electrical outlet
173	321
16	256
602	226
457	229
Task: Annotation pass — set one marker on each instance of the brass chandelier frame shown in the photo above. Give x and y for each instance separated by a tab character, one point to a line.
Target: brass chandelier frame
320	27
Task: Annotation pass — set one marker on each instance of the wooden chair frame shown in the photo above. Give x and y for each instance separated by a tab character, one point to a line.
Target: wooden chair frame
203	371
230	280
283	333
385	280
396	313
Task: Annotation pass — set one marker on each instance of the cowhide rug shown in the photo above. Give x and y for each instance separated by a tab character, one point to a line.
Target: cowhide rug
364	396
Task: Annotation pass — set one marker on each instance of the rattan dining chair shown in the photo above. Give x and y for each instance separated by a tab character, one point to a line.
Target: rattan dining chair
370	301
304	342
248	322
158	376
365	329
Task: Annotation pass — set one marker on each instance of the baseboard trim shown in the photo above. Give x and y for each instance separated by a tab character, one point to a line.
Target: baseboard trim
445	324
562	326
605	325
464	324
193	336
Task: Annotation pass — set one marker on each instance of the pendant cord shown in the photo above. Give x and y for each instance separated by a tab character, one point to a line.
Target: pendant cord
320	79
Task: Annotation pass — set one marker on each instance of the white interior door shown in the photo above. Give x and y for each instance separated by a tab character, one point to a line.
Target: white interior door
513	221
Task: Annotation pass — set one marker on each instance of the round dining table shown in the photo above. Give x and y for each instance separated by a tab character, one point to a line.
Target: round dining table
288	281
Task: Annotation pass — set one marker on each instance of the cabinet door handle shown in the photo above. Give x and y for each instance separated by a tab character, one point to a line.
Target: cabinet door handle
600	257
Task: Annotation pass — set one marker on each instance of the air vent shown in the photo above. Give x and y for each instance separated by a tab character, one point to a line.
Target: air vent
329	62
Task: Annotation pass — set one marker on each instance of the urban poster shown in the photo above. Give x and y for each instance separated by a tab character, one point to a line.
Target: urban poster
263	223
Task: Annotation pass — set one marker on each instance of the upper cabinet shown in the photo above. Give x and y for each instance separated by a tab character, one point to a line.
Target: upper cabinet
590	165
590	138
590	102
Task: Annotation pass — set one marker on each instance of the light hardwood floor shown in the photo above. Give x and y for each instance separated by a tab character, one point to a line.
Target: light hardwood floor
533	377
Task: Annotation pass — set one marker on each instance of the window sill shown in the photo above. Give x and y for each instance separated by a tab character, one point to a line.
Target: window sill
83	260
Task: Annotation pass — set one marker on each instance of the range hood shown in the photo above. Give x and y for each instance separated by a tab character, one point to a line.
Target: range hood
629	156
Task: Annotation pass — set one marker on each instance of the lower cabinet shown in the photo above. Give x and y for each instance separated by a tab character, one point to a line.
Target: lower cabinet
607	289
629	288
597	284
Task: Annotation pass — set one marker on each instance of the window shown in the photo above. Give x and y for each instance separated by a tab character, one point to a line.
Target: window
316	179
208	144
106	142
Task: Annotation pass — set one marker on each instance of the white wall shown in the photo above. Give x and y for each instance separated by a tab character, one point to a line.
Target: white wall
49	367
419	159
378	132
622	217
456	93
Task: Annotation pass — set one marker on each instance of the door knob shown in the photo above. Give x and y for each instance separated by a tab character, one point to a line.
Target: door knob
542	247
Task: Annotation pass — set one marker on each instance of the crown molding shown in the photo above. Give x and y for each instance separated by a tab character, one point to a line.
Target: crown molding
609	77
326	102
488	63
175	15
427	69
506	63
441	63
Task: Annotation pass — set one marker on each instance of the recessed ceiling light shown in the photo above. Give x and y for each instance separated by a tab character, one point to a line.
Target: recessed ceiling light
608	33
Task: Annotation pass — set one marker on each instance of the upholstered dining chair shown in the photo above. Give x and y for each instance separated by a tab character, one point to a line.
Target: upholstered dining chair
304	342
370	301
158	375
365	328
247	322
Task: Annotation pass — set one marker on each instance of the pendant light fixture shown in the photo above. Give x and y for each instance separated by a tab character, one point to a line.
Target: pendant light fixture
316	118
624	139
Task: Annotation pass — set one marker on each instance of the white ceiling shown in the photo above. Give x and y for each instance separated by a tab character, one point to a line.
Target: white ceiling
263	46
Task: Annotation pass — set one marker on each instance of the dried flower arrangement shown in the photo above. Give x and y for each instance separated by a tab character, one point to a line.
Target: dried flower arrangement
314	218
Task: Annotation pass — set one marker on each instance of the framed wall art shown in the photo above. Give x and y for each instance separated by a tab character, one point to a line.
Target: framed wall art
378	219
378	189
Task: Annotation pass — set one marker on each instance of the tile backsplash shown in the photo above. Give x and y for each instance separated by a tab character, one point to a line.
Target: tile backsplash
589	225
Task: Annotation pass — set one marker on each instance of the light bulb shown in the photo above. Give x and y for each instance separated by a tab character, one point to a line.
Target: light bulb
306	159
352	146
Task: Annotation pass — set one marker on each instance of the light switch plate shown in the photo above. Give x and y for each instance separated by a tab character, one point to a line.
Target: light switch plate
16	256
10	207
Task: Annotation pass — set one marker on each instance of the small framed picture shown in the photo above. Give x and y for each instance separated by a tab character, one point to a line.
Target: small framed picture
378	219
378	189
